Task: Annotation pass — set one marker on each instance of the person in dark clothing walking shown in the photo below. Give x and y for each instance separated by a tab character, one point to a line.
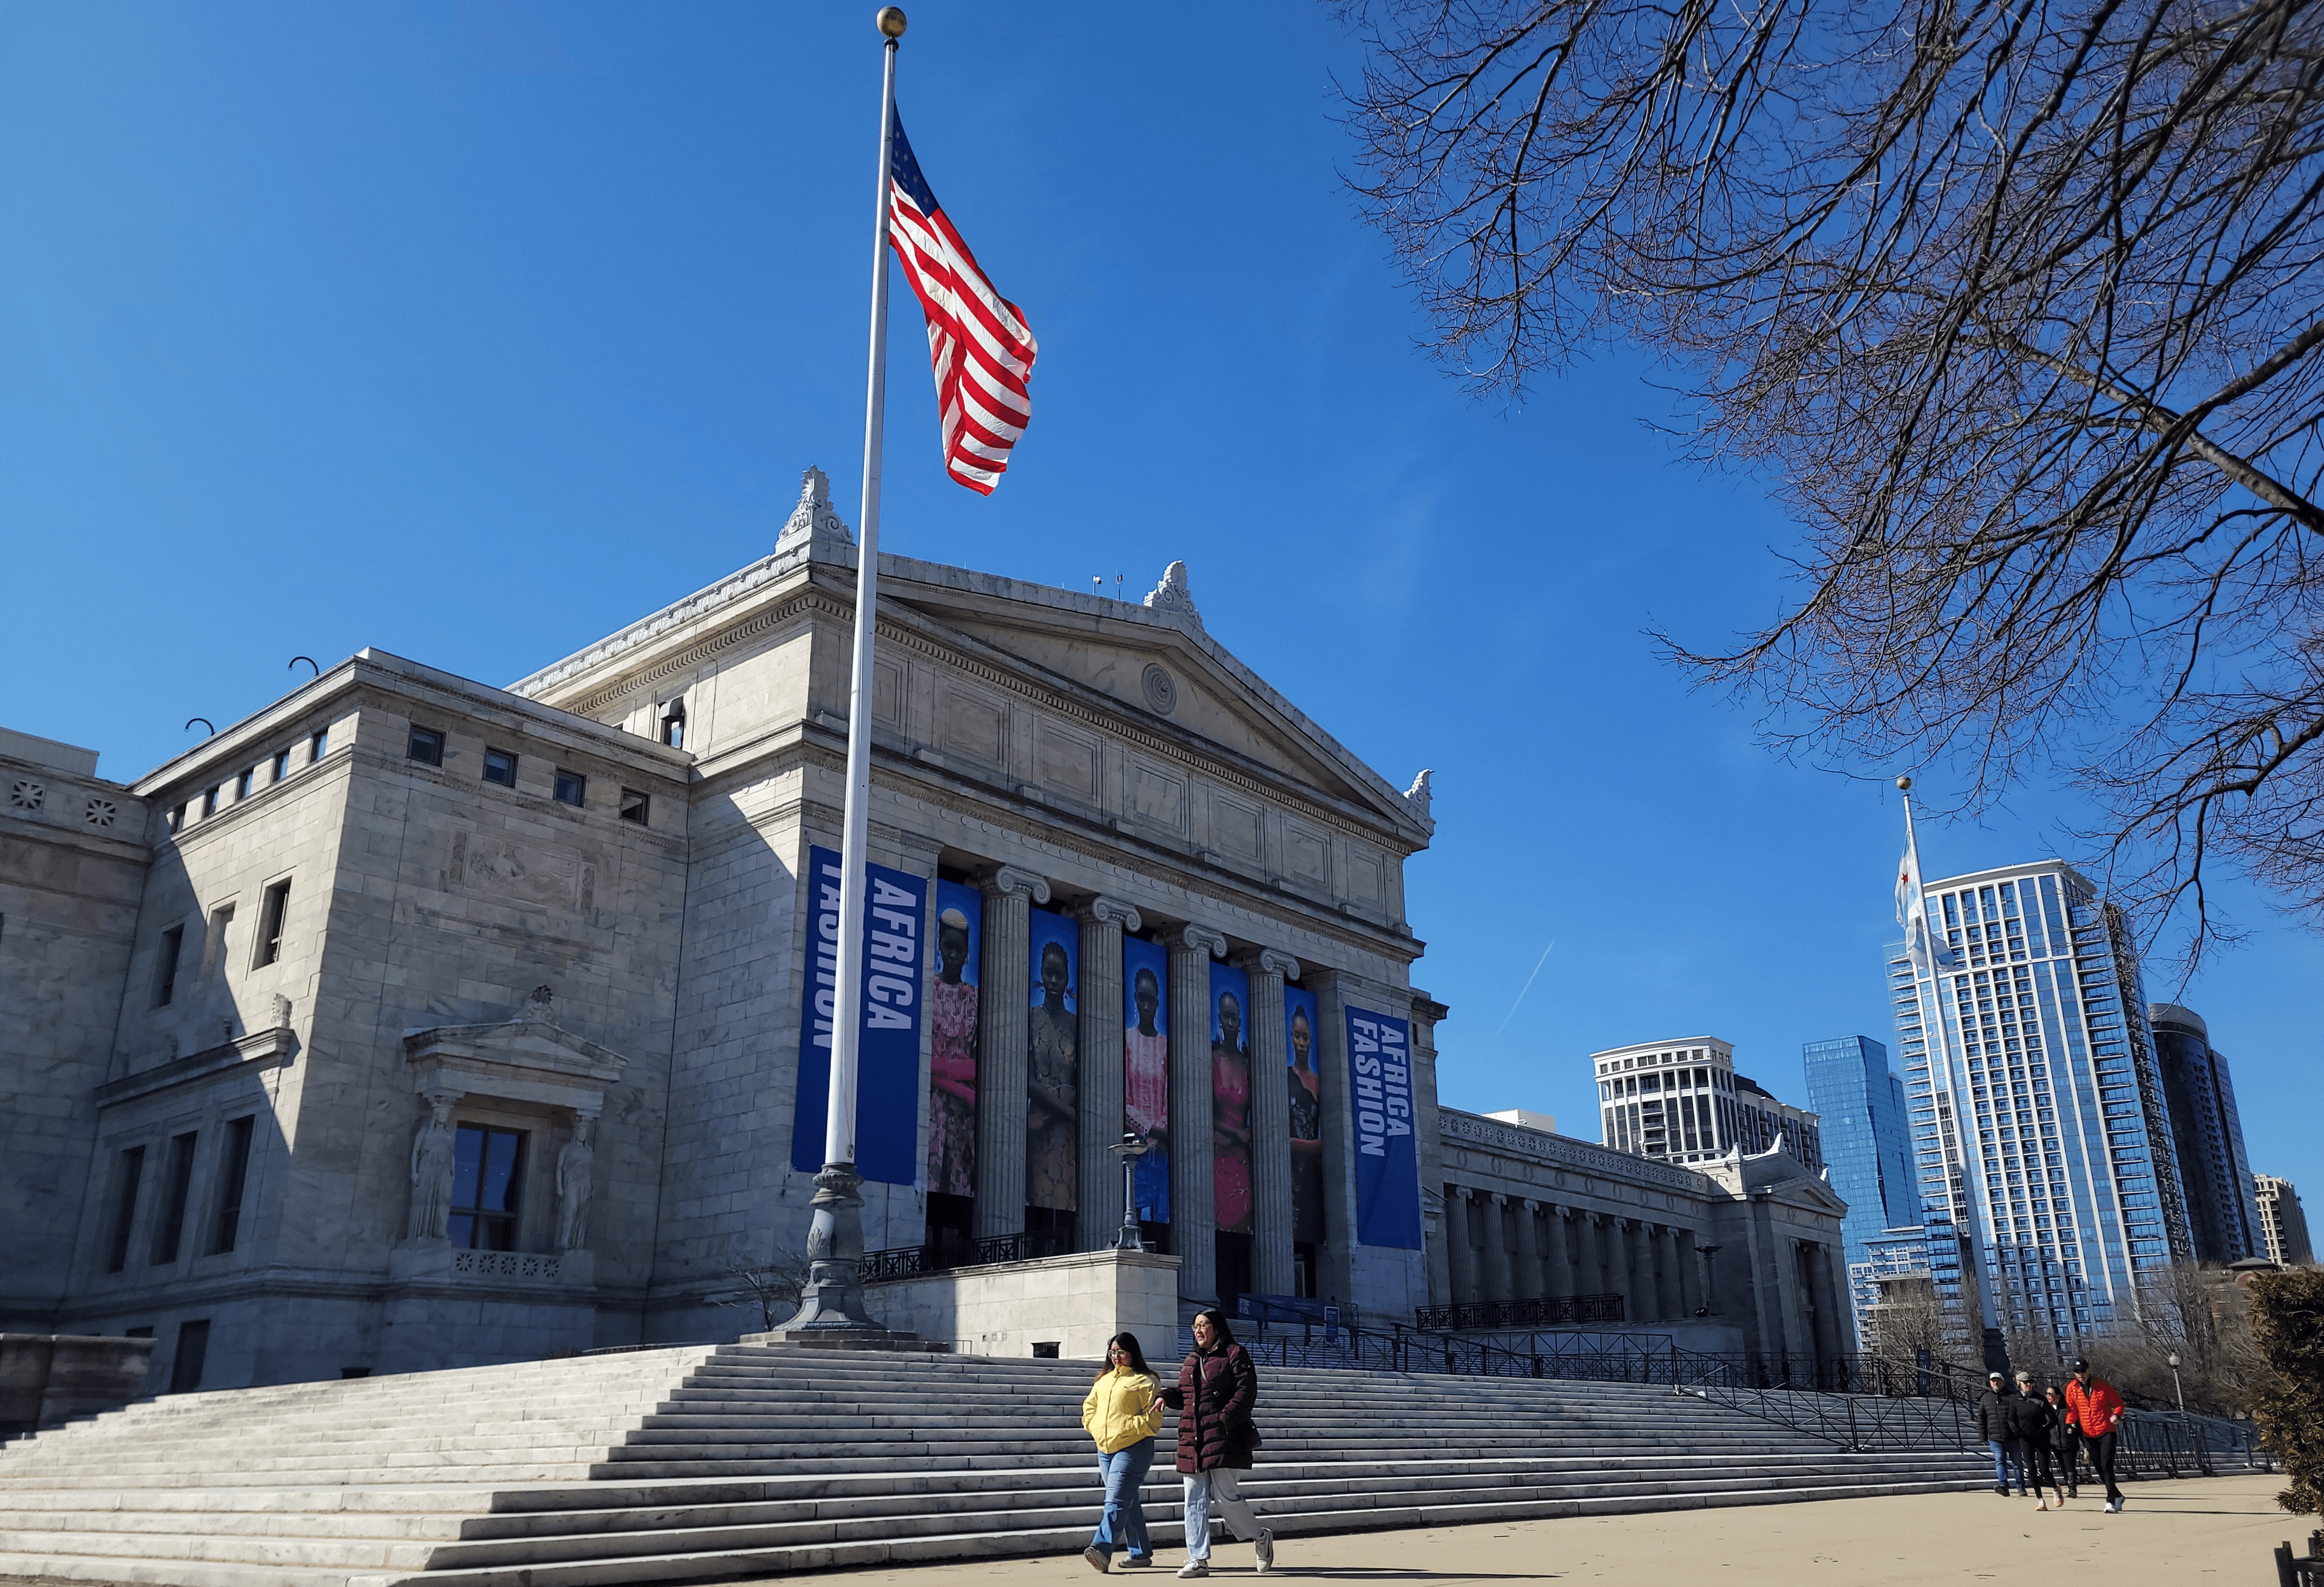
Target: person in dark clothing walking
2065	1443
2097	1411
1218	1388
2028	1418
1993	1427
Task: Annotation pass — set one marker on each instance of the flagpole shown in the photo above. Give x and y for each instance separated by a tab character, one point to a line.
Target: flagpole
832	1296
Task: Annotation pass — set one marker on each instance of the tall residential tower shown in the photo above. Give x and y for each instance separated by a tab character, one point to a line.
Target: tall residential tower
2038	1115
1868	1142
1680	1100
2222	1212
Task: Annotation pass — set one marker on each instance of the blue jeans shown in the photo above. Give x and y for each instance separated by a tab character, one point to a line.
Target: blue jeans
2007	1453
1124	1520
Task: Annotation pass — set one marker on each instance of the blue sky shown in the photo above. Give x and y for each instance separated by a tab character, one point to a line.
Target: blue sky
475	332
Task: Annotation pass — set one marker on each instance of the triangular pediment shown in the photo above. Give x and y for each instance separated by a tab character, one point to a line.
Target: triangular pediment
530	1057
1112	649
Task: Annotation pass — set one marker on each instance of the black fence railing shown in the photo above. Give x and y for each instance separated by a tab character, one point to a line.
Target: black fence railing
913	1261
1518	1313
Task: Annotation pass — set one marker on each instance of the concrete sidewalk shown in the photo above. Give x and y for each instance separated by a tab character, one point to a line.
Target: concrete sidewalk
2217	1529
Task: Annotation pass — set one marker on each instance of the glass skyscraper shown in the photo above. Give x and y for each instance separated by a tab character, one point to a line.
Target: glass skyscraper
2038	1118
1867	1145
2222	1210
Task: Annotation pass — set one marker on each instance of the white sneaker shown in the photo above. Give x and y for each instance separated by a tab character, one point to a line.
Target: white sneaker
1265	1549
2042	1504
1196	1567
2113	1505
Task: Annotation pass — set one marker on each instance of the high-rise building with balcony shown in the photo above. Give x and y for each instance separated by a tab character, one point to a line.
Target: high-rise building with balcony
2222	1212
2283	1227
1683	1101
2039	1121
1867	1147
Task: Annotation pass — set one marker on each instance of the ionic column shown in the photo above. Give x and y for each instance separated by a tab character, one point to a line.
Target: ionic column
1460	1258
1622	1267
1642	1271
1003	1002
1596	1232
1529	1274
1270	1119
1689	1282
1099	1029
1194	1213
1496	1253
1559	1256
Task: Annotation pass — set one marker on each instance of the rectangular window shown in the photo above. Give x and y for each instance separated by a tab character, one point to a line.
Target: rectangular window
487	1171
242	783
233	1174
425	746
213	950
180	1179
193	1348
210	801
176	819
500	766
635	806
282	764
276	905
129	1170
572	787
165	974
319	745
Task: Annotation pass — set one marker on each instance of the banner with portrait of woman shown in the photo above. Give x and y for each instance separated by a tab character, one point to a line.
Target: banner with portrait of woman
1230	1175
1146	1069
1052	1063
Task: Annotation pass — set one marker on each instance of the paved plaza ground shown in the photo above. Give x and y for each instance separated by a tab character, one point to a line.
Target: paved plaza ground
2222	1529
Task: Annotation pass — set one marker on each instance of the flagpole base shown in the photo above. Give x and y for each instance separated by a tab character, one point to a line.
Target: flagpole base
831	1305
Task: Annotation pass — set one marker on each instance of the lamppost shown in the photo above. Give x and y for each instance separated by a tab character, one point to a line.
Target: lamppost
1129	1149
2176	1391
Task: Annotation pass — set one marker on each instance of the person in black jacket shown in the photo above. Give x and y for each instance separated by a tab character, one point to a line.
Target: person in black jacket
2065	1442
2028	1419
1993	1427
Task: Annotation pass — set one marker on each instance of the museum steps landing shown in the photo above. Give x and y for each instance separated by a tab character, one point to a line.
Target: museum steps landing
670	1465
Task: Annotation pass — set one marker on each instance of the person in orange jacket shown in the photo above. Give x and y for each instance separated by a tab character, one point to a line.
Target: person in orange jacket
2097	1411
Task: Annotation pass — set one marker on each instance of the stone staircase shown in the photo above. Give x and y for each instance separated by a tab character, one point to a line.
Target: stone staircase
671	1465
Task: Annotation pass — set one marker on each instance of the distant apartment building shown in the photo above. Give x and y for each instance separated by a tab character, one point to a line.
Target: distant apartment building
2222	1212
2283	1227
1867	1148
2040	1126
1681	1101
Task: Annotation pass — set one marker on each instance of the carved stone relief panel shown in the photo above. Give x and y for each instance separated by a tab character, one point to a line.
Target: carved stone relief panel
1236	827
887	693
1157	796
523	873
1306	855
1365	883
1064	761
974	726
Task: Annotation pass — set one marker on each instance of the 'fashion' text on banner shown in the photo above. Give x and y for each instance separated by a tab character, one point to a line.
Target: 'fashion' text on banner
887	1054
1387	1155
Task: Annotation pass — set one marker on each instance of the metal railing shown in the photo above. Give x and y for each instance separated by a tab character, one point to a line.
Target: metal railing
914	1262
1518	1313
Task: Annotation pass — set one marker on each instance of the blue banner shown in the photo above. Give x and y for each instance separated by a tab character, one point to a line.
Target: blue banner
1387	1154
1305	1059
888	1055
1146	1069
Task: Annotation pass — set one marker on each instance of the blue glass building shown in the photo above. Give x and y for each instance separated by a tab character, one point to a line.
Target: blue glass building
1867	1145
2039	1121
2222	1210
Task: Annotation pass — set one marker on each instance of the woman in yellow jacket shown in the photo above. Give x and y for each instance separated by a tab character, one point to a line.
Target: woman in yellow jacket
1124	1415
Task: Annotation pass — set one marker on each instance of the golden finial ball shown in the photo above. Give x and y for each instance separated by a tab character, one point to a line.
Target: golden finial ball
1905	784
892	21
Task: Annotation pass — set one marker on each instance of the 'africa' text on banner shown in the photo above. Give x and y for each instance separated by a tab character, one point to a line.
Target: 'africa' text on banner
1387	1156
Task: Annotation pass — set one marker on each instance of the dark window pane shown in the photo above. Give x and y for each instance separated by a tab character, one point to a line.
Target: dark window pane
193	1350
281	765
319	745
635	806
427	746
125	1206
463	1230
500	766
233	1176
498	1195
571	787
181	1177
467	1158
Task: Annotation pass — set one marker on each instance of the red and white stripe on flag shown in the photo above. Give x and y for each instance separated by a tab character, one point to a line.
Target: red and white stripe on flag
979	343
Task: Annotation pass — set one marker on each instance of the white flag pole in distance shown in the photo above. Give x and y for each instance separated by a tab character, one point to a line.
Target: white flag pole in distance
833	1297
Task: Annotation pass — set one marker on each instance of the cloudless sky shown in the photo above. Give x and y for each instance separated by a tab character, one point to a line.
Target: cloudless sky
475	332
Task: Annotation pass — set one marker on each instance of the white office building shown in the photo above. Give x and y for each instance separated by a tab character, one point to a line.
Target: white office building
1683	1101
2038	1115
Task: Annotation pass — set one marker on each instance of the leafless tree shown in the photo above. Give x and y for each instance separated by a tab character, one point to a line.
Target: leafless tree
772	1287
2019	306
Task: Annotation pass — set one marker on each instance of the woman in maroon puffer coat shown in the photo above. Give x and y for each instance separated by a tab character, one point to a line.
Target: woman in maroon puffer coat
1217	1390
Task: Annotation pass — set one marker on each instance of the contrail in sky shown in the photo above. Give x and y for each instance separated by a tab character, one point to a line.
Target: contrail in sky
1527	987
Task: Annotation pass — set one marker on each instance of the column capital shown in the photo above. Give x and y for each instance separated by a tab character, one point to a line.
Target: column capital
1499	1200
1102	909
1265	962
1198	936
1008	879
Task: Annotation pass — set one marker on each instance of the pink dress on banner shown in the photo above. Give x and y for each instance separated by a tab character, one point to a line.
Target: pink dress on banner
952	1088
1231	1161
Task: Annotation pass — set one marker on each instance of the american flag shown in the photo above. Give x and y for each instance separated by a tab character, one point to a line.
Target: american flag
978	341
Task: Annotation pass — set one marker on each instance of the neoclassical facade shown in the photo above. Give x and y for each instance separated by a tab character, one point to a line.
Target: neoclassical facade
413	1022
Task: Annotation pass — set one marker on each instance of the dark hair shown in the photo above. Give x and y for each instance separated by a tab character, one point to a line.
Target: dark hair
1129	1347
1221	1334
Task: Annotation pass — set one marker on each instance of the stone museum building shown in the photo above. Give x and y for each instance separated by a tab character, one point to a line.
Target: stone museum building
414	1023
